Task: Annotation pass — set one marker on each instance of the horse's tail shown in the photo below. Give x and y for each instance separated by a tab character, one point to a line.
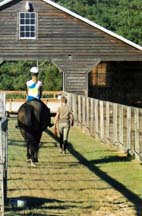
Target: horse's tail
42	113
27	119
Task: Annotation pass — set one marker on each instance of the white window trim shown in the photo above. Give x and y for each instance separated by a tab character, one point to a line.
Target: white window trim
36	27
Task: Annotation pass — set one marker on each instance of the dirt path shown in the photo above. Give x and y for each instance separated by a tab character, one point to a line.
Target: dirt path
79	183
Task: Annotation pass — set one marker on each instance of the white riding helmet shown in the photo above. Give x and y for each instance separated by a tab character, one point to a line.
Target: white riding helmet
34	70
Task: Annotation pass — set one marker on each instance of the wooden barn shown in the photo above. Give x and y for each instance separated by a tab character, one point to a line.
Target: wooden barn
94	61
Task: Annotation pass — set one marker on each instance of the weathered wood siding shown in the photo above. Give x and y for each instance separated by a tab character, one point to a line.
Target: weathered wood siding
59	34
72	44
117	82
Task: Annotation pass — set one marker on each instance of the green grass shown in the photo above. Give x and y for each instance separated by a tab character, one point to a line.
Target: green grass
92	179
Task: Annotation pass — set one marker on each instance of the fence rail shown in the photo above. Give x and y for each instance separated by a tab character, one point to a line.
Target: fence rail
14	99
112	123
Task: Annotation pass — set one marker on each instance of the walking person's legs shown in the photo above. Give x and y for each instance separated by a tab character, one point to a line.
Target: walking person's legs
65	137
63	131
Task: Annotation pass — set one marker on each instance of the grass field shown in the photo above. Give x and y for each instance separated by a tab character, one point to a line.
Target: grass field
92	179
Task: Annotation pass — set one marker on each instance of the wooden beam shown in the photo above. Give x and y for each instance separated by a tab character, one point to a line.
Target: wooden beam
1	61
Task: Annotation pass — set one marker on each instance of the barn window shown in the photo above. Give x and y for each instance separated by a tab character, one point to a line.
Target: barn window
27	25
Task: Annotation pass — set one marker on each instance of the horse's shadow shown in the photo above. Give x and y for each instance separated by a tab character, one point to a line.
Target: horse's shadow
30	203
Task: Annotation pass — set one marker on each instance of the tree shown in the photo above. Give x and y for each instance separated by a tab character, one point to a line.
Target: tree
123	17
13	75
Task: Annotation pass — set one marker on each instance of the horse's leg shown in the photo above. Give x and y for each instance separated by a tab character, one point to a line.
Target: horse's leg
31	153
28	152
36	153
32	160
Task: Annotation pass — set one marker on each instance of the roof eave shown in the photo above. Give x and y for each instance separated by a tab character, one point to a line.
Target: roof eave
5	2
93	24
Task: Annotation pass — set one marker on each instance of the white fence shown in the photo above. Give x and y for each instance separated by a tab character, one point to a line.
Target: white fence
110	122
2	104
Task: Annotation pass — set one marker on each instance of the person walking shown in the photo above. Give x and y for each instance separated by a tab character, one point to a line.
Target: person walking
64	117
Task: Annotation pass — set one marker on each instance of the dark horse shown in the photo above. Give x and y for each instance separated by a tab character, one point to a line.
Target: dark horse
33	118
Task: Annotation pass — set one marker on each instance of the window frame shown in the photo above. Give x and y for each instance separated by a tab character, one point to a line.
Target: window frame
26	25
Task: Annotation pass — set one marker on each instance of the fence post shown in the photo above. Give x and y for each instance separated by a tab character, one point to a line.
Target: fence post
3	164
115	137
74	108
1	175
121	126
129	128
102	121
107	122
92	116
88	114
2	104
84	113
79	120
137	134
96	119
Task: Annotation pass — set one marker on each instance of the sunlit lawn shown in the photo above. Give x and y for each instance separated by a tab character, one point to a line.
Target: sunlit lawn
92	179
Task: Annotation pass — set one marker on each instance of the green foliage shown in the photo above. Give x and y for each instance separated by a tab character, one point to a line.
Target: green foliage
49	74
13	75
123	17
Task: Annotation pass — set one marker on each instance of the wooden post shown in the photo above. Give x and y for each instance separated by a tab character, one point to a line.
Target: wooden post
3	164
1	175
102	121
137	133
128	128
79	121
92	116
121	127
107	123
84	113
74	107
115	137
88	114
96	119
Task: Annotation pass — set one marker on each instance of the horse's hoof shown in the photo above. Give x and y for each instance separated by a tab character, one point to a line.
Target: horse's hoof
61	151
33	164
29	161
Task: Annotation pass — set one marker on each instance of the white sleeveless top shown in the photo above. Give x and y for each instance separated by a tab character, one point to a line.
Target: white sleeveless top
33	89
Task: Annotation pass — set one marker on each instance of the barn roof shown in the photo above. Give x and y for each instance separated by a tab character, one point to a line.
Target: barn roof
91	23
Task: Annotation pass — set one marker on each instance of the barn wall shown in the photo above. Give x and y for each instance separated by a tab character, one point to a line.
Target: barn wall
70	43
117	82
59	34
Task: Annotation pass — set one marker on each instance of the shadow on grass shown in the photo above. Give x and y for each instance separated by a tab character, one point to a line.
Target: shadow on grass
111	159
31	203
14	142
90	165
50	133
136	200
